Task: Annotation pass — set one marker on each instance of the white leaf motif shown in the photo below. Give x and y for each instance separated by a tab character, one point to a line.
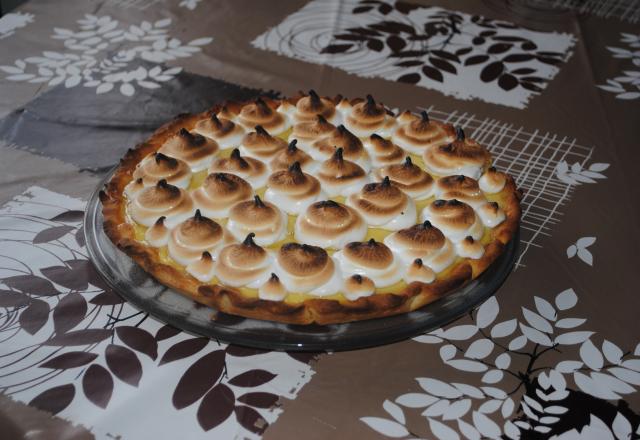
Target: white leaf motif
554	409
466	365
457	409
479	349
636	352
492	376
572	338
612	352
416	400
468	430
570	322
504	328
535	336
613	383
549	420
447	352
486	426
503	361
442	431
494	392
545	308
589	386
632	364
591	356
621	427
566	299
585	256
460	332
437	409
571	251
598	167
490	406
394	411
507	407
511	430
536	321
469	390
127	89
585	242
386	427
200	41
518	343
428	339
568	366
487	312
629	376
438	388
11	69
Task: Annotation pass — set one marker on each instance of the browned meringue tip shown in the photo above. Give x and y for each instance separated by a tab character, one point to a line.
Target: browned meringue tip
338	155
191	138
238	159
163	158
206	256
248	241
257	201
357	283
302	259
295	168
372	253
469	239
460	134
407	162
292	148
160	221
165	186
424	116
371	108
261	131
314	98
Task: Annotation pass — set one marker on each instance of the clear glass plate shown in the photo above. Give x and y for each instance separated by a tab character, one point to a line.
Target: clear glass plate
142	291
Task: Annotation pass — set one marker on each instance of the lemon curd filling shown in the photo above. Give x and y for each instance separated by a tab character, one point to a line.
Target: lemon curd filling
378	234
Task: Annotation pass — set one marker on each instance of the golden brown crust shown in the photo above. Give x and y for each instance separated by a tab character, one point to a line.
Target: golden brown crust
312	310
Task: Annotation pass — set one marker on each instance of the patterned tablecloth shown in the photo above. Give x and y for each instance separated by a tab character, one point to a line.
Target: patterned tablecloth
551	87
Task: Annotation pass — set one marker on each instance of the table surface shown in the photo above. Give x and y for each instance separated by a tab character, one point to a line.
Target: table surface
551	87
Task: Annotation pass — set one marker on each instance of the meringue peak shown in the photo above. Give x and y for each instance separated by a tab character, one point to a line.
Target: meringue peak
261	131
459	134
163	158
238	159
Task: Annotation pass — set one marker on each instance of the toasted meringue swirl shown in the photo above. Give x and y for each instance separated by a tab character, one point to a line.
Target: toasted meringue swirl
425	242
194	149
272	289
250	169
368	116
292	154
158	234
384	205
352	148
357	286
492	181
261	145
470	248
219	192
262	218
158	166
133	188
244	264
418	134
329	224
419	272
409	177
460	187
491	214
463	156
222	130
304	268
194	236
292	190
340	176
308	132
455	218
202	269
161	200
382	151
260	113
373	259
308	107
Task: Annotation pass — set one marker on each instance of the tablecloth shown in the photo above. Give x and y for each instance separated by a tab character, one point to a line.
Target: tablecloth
551	87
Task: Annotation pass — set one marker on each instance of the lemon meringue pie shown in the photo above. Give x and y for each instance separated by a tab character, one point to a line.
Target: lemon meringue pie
311	209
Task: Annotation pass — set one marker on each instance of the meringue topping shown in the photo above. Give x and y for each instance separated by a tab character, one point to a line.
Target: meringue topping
491	214
292	190
133	188
470	248
163	199
310	131
460	187
194	236
418	271
194	149
340	176
304	268
262	218
243	264
371	258
368	116
273	289
158	234
455	218
330	224
384	205
261	145
219	192
492	181
358	286
285	158
425	242
308	107
409	177
250	169
419	134
382	151
202	269
352	148
463	156
260	113
159	166
222	130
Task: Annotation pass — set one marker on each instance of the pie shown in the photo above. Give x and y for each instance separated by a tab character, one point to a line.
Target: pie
310	209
